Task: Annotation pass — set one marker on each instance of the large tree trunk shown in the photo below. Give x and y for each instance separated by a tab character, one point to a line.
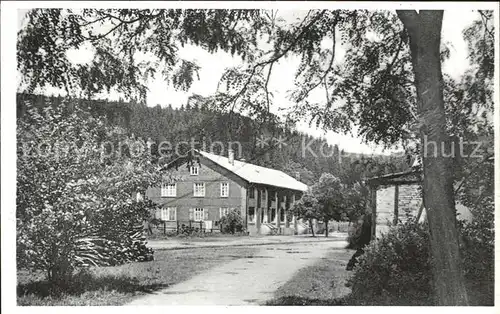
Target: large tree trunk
312	227
424	29
326	228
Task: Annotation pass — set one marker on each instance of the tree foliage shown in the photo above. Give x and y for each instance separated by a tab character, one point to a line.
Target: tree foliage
328	192
330	199
75	203
307	207
389	85
119	39
373	88
339	201
232	222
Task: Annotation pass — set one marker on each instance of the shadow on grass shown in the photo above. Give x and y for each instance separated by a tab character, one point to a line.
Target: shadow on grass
348	300
295	300
479	297
86	281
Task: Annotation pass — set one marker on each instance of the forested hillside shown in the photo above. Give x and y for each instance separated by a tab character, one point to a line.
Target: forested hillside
297	153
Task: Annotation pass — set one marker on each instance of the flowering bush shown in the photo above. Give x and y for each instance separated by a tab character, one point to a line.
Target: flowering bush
395	266
74	199
232	222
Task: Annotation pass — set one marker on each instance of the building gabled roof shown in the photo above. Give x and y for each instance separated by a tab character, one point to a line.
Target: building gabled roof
256	174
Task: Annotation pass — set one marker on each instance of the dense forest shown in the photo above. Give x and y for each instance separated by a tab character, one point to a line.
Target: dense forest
298	153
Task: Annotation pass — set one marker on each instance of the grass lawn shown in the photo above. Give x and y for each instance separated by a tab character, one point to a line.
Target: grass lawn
320	284
120	284
323	284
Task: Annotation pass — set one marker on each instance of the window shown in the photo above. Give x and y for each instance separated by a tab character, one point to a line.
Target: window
169	214
273	197
251	214
263	194
251	192
199	189
224	189
223	211
199	214
194	170
169	190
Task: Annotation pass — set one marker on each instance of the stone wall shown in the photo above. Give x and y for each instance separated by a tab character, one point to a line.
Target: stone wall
409	202
408	205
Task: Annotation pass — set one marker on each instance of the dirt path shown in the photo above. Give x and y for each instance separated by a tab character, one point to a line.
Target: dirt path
246	281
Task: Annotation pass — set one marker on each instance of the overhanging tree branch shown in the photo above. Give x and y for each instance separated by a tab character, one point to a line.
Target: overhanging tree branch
328	69
277	55
486	158
266	86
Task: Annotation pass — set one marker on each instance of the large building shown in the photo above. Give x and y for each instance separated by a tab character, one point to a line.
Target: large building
207	186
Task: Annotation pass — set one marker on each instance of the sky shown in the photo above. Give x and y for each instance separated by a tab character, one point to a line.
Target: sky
213	65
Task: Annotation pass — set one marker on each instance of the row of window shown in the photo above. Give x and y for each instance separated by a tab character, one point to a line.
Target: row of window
252	192
196	214
170	190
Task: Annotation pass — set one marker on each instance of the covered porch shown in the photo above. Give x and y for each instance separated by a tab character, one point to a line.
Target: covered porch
269	211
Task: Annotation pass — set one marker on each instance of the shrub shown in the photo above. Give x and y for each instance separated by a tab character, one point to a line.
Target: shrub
232	222
477	248
74	201
190	230
395	267
477	245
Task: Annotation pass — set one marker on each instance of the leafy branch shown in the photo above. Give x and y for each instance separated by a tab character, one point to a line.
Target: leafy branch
277	56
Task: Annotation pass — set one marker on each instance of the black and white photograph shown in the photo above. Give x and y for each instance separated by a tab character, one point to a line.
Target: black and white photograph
249	154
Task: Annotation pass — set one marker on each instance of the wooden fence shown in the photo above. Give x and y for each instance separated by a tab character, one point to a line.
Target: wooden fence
181	226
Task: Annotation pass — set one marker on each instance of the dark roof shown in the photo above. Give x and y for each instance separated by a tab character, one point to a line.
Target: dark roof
398	178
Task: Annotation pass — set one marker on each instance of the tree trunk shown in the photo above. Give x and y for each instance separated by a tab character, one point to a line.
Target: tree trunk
312	227
326	228
60	274
424	29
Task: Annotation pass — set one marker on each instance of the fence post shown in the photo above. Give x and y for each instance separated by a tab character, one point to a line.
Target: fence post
190	224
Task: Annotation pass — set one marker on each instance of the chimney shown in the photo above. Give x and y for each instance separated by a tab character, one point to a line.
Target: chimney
230	155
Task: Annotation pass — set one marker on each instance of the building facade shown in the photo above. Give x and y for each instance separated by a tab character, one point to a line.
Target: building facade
207	186
396	197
